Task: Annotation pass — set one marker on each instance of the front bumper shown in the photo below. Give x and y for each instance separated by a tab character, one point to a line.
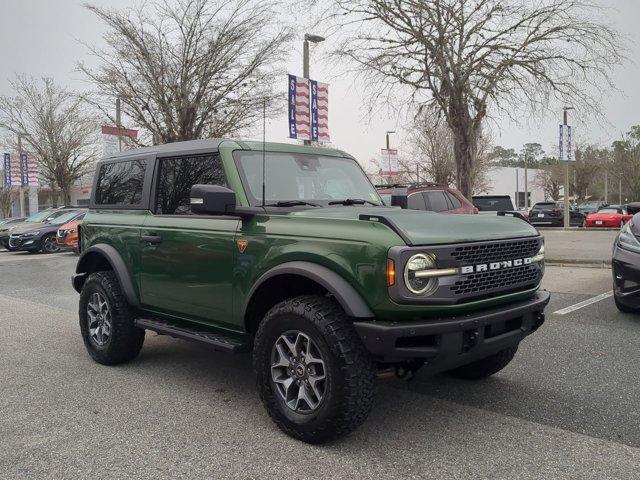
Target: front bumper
18	243
450	342
626	277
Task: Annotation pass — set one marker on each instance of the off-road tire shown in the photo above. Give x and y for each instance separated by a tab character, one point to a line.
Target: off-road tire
623	308
126	339
351	380
485	367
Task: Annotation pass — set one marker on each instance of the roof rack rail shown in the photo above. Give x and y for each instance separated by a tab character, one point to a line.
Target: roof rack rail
411	185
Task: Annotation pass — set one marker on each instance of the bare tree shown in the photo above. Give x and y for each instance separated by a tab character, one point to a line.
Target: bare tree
466	57
550	178
585	171
626	155
56	127
6	201
431	145
189	69
432	150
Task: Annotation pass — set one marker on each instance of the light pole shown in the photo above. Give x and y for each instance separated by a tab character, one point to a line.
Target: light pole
119	122
389	132
308	38
21	188
567	221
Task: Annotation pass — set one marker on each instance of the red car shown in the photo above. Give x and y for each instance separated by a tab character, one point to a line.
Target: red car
612	216
426	196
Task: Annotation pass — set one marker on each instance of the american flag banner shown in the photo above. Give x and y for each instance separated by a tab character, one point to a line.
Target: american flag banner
299	111
7	169
32	169
16	174
320	119
24	170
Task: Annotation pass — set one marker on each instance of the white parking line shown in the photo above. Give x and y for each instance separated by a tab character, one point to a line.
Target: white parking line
584	303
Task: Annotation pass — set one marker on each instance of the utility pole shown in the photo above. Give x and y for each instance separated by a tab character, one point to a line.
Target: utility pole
517	189
526	185
21	188
119	122
606	184
620	191
308	37
389	132
567	221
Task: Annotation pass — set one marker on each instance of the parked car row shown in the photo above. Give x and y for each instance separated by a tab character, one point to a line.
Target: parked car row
49	231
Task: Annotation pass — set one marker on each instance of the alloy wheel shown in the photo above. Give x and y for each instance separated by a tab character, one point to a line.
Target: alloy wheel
298	371
50	245
99	319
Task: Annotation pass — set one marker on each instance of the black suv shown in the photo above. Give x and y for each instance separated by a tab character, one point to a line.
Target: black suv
551	214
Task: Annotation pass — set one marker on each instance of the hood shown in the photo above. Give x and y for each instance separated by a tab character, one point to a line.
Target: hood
29	226
429	228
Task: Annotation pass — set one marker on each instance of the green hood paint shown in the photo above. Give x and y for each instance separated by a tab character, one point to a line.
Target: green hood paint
429	228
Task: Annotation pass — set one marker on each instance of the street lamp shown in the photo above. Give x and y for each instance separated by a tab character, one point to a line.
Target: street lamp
567	220
389	132
308	38
21	135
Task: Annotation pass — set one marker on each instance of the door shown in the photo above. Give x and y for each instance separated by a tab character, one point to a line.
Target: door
187	260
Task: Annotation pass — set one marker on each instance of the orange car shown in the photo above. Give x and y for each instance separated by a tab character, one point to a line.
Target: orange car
67	237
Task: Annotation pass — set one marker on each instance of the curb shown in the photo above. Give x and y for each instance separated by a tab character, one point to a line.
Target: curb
578	229
577	263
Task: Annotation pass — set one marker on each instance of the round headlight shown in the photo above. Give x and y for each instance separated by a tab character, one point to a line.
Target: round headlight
415	283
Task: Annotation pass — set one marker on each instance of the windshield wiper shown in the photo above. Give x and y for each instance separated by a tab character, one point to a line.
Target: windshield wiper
291	203
353	201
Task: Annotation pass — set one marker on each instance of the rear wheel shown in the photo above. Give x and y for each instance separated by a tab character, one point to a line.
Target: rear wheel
106	321
314	376
485	367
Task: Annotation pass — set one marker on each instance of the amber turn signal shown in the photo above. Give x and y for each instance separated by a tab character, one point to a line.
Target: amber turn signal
391	272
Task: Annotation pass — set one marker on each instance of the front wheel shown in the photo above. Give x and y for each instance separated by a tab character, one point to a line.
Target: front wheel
49	244
314	376
107	322
485	367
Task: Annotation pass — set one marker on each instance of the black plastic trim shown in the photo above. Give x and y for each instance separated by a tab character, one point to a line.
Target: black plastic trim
389	223
117	264
447	349
345	294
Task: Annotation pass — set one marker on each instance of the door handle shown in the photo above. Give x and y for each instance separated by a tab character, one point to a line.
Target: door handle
151	239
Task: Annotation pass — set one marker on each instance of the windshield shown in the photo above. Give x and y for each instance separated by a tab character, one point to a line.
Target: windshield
610	210
546	206
64	217
39	217
291	177
492	204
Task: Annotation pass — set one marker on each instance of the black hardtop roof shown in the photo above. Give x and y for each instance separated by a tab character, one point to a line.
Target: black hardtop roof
213	145
209	144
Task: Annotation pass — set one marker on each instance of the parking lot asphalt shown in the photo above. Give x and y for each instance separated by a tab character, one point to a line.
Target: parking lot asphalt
566	407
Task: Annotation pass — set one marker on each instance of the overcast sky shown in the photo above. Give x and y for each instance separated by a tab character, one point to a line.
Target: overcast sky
43	38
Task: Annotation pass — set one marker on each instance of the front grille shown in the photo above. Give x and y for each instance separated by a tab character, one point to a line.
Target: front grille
506	279
496	252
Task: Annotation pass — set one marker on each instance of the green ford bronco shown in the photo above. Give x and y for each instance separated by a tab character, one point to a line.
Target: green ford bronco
289	251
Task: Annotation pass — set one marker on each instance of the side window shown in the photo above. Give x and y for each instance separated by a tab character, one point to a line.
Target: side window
120	183
416	202
455	202
178	174
437	200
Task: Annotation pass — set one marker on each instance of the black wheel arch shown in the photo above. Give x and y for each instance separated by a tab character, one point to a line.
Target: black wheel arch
105	257
317	279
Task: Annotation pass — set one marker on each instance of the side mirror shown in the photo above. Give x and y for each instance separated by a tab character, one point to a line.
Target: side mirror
212	200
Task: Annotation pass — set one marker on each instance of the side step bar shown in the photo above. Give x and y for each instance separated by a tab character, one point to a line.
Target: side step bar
219	342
